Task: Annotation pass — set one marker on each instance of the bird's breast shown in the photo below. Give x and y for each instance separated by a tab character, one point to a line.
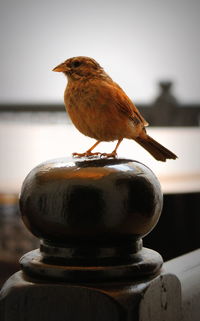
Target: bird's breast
94	114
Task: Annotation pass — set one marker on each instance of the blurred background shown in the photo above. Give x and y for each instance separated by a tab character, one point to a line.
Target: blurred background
151	48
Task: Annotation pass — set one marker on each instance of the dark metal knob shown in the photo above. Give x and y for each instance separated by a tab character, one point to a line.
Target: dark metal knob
90	212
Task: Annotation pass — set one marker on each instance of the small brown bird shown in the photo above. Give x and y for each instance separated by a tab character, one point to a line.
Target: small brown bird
100	109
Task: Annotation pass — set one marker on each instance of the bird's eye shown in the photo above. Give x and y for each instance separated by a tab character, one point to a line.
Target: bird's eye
76	63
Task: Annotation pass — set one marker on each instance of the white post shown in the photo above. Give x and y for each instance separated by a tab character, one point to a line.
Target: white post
187	269
175	294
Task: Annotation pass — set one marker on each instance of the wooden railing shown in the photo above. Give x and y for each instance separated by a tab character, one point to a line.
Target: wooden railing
164	110
187	269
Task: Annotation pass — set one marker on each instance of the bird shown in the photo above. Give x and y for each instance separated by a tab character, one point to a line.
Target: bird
100	109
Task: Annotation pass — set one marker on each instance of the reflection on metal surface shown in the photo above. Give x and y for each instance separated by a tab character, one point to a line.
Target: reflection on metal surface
93	201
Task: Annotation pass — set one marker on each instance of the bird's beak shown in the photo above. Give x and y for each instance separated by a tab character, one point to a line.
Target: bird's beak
61	68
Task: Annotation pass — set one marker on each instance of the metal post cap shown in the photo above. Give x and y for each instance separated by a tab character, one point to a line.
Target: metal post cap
90	212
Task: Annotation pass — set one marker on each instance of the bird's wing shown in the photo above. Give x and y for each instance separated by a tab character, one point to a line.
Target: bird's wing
126	106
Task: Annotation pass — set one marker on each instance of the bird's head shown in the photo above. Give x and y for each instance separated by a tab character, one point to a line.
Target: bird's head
79	67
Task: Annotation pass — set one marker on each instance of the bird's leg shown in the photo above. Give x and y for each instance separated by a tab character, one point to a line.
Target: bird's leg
114	152
88	152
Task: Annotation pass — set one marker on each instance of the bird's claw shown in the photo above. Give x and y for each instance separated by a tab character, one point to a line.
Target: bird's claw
90	154
86	154
109	155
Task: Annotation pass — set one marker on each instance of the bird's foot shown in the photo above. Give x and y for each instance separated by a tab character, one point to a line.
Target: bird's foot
86	154
109	155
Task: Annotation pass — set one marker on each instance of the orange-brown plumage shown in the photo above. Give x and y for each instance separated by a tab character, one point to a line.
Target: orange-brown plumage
100	109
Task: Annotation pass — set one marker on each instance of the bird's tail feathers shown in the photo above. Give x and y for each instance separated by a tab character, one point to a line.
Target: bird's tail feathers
158	151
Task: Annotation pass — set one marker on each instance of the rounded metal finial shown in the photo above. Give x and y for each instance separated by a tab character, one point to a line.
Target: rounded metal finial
90	212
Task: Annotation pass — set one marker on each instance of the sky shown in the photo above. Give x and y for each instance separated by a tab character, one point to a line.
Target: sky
139	43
